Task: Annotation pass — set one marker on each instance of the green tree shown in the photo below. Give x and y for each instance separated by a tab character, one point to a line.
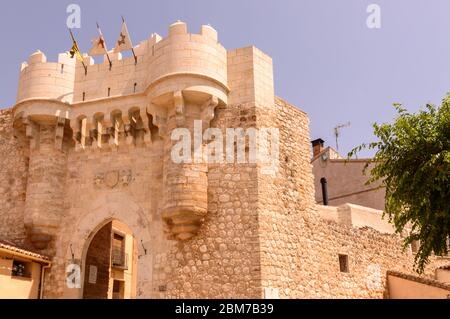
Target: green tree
412	162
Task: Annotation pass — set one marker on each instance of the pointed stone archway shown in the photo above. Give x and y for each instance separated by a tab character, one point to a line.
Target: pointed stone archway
107	208
110	263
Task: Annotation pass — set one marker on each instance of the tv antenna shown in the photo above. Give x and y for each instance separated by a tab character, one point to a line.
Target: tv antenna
337	132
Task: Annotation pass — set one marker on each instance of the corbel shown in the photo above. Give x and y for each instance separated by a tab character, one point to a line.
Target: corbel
32	132
59	132
179	108
127	129
161	123
108	130
207	113
146	126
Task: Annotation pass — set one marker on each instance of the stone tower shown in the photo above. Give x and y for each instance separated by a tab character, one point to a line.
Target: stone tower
42	114
177	80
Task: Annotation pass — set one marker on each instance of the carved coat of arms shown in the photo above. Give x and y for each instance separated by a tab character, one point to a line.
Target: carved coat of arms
113	178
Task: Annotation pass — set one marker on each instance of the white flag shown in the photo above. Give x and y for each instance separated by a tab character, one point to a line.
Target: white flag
98	46
124	41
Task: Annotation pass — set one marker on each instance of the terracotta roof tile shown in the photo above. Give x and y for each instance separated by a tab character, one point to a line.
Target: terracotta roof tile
445	267
423	280
14	248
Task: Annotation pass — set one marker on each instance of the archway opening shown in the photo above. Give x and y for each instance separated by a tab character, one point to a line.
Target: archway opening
110	263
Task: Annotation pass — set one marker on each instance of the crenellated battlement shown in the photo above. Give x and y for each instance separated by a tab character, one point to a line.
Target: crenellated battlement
51	80
192	65
180	53
179	62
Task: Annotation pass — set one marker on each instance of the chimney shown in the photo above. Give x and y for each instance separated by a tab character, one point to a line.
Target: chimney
317	146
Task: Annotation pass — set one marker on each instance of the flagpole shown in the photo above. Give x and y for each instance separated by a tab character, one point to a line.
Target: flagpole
132	50
71	34
109	60
75	42
107	55
135	57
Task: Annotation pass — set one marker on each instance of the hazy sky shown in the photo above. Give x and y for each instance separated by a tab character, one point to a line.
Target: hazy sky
326	60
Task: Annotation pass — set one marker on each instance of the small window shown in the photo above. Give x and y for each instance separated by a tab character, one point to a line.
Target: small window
62	68
118	237
84	96
109	91
134	89
415	244
448	246
21	269
118	255
343	263
162	288
118	289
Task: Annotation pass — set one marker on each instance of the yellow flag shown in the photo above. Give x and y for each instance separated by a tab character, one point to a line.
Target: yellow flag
75	51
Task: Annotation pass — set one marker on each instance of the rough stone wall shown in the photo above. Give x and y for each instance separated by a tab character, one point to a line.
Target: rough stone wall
300	250
13	172
370	255
286	202
222	260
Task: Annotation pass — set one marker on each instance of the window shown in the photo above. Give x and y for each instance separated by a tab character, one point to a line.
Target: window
84	96
448	246
448	249
21	269
62	68
134	89
118	256
109	91
343	263
415	244
118	289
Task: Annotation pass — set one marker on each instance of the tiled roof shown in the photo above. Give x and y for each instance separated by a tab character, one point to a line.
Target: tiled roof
423	280
446	267
15	249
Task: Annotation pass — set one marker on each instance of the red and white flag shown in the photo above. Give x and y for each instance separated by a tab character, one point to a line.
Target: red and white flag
98	45
123	42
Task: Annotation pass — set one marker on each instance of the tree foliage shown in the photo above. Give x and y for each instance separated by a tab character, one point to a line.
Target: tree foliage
412	162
